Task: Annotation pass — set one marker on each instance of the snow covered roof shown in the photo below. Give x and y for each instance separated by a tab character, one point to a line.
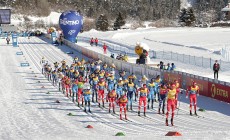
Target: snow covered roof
227	8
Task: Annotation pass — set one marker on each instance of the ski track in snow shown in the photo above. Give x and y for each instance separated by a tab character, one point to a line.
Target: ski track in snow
27	112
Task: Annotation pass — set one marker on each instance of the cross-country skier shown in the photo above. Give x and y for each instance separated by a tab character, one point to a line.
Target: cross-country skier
75	89
122	101
162	97
143	98
80	85
111	81
43	62
94	81
101	86
171	103
152	90
131	89
119	87
158	82
67	86
87	95
112	98
54	77
56	65
193	92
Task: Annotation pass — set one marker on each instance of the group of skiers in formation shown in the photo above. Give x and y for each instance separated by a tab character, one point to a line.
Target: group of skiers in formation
86	82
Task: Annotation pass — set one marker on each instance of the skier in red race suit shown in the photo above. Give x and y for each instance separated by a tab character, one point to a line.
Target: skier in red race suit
193	92
105	48
144	91
101	85
171	103
122	101
112	97
67	86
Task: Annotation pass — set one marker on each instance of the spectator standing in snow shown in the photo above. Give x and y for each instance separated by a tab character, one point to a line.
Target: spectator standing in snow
96	41
216	68
173	67
112	56
8	40
105	48
91	42
61	40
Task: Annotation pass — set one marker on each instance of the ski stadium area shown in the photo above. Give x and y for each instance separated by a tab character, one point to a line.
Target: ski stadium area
32	108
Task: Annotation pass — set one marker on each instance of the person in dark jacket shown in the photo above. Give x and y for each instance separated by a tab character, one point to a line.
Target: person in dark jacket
216	68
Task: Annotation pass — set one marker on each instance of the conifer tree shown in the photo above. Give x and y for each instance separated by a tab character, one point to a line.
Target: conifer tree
119	22
102	23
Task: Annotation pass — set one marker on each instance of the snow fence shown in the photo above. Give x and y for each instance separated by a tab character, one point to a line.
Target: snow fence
117	47
215	89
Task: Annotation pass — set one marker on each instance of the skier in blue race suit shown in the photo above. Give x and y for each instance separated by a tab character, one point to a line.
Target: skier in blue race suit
87	96
74	89
152	92
120	87
131	88
93	82
111	82
158	83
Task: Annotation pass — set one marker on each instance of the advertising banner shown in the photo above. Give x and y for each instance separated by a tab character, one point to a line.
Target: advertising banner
219	92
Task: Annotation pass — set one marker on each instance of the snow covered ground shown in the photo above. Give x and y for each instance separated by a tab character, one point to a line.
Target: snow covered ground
27	112
200	42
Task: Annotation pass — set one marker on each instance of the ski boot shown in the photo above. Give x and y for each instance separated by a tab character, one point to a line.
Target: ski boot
138	113
148	106
195	113
172	122
109	110
144	114
82	104
114	111
163	112
126	117
84	110
166	122
103	104
120	117
152	104
190	113
89	111
131	107
78	104
159	112
99	105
